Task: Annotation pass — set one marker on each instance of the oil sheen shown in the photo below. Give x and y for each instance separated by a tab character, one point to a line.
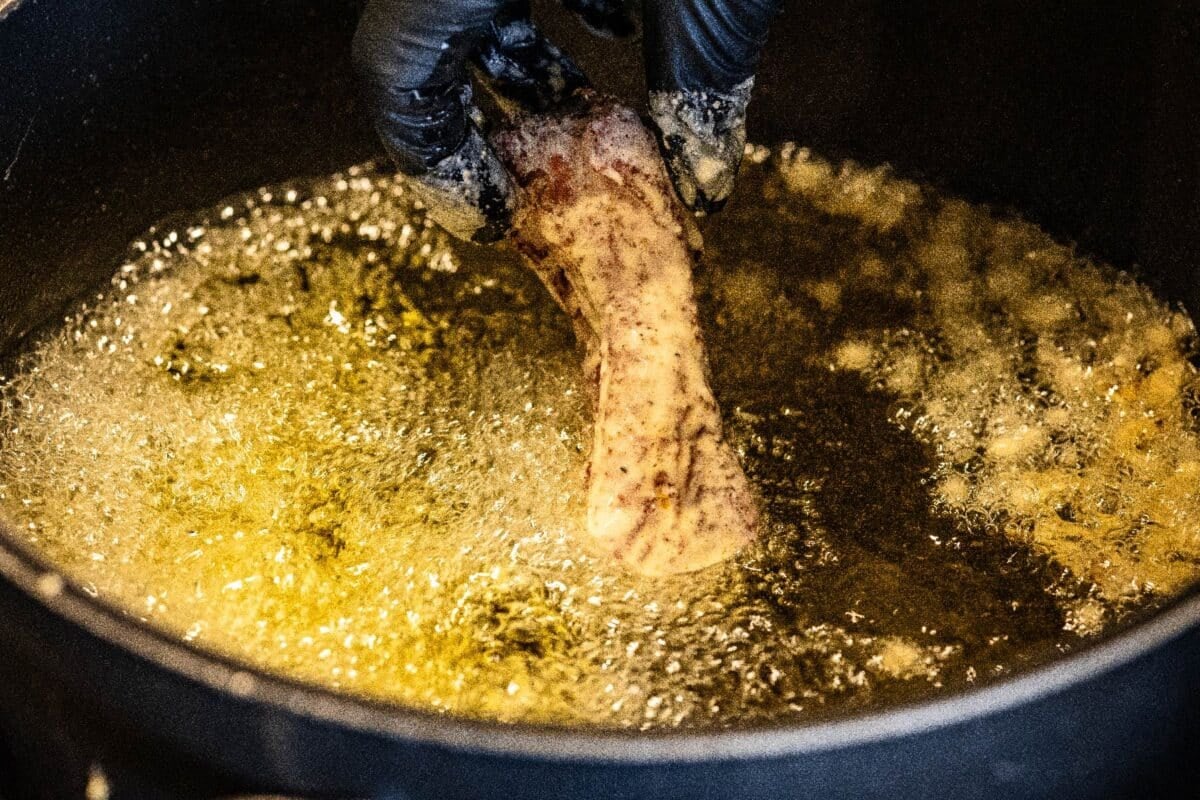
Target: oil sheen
312	433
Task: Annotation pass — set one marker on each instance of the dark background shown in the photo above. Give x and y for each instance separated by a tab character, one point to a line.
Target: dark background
1080	115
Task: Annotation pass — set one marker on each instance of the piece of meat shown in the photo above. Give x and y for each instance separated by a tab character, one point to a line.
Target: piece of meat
597	217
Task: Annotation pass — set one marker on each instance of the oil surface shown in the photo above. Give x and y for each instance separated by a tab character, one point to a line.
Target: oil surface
310	432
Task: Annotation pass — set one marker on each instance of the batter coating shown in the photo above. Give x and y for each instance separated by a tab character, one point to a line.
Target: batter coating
600	223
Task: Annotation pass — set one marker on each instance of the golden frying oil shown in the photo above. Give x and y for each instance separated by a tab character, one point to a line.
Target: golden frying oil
312	433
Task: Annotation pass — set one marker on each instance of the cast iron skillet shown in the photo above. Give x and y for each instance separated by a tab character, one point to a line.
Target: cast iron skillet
114	114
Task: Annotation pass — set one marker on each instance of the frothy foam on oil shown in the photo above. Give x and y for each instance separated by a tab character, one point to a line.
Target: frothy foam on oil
311	432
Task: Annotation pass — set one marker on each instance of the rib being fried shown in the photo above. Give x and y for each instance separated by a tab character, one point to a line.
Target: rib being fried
599	221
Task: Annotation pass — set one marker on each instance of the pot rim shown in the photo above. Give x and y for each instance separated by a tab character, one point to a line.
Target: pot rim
33	576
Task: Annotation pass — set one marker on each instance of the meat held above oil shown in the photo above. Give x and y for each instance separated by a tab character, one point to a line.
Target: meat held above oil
599	221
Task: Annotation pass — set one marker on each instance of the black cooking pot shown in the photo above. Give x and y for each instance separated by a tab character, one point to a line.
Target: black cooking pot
115	114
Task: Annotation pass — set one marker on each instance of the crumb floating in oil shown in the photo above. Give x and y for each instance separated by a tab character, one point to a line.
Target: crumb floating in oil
310	432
